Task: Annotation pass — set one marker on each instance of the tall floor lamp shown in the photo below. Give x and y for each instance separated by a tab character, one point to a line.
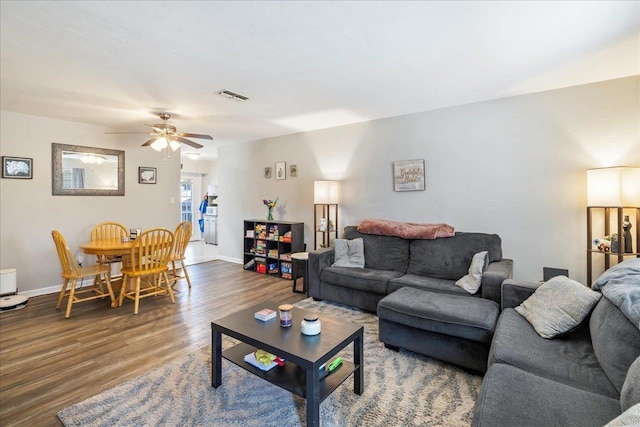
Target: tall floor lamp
325	208
615	193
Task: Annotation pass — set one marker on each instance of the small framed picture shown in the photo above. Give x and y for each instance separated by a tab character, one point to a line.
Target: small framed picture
267	172
294	171
146	175
408	175
281	170
17	167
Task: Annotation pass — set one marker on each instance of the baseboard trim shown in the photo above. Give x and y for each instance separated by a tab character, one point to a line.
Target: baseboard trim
230	259
56	289
41	291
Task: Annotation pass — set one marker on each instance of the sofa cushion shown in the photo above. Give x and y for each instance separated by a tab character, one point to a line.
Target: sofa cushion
616	341
363	279
382	252
459	316
426	284
450	258
348	253
568	359
630	394
558	306
513	397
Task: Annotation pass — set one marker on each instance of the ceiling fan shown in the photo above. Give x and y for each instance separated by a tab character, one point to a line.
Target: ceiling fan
167	136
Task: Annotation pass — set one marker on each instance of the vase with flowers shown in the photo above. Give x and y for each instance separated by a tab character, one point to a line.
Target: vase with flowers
270	204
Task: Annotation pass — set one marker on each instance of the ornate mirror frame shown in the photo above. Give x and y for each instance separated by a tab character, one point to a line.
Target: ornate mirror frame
56	171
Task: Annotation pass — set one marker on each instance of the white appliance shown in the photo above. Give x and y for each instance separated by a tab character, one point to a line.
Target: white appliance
212	210
211	229
9	299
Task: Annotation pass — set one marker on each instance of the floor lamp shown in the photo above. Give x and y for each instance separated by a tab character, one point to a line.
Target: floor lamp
325	218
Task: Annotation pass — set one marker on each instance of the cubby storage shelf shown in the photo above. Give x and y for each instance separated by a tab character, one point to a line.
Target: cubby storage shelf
268	246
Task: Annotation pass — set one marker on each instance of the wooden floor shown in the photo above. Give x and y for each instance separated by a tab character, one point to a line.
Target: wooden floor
48	362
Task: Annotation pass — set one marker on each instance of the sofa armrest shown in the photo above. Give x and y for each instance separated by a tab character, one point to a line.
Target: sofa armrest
492	278
317	261
514	292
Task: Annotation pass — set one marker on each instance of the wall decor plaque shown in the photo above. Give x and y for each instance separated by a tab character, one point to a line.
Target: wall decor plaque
408	175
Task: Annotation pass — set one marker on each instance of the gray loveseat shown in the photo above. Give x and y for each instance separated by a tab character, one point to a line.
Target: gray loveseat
392	263
580	379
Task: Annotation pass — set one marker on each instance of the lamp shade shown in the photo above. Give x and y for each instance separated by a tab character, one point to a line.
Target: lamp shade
159	144
618	186
325	192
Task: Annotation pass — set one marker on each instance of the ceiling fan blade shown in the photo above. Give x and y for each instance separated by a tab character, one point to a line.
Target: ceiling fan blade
196	135
125	133
149	142
187	142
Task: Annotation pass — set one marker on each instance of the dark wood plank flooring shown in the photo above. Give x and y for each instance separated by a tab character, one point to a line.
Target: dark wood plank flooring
48	362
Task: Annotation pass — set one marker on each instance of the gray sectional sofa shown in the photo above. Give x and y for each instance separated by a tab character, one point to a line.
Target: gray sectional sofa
586	377
392	263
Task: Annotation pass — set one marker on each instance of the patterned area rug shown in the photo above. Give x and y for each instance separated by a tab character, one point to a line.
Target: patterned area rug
401	389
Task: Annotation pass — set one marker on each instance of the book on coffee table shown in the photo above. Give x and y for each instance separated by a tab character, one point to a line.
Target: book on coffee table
251	358
265	314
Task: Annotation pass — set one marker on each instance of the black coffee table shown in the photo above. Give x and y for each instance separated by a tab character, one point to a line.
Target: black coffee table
303	354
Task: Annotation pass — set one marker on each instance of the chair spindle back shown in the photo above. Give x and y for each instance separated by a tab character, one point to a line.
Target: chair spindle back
151	250
67	260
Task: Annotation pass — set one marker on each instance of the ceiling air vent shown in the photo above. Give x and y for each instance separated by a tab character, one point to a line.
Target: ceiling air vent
232	95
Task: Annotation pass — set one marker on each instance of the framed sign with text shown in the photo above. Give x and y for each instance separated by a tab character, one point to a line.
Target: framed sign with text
408	175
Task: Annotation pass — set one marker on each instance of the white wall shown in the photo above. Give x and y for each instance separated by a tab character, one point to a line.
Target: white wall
513	166
28	211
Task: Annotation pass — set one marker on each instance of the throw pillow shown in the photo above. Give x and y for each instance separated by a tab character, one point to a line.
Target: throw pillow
349	253
558	306
471	282
630	417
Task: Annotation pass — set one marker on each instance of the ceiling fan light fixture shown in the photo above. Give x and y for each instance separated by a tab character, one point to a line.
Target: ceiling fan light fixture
159	144
174	145
165	136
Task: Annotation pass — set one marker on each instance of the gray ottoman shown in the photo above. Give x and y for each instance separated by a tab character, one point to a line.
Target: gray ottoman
454	328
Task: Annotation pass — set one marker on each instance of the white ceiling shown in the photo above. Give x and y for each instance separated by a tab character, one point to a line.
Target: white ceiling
304	65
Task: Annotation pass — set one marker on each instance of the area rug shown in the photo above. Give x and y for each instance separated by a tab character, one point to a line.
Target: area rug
401	389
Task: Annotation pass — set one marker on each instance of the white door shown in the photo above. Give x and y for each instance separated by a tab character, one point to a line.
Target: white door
190	199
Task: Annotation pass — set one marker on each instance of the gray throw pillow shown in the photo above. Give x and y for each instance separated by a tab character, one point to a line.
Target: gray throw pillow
630	417
349	253
471	282
558	306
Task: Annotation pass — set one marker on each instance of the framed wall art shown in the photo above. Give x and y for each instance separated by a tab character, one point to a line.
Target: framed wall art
281	170
17	167
294	171
147	175
267	173
408	175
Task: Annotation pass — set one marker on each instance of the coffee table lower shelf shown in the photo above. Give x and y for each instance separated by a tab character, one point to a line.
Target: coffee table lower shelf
290	376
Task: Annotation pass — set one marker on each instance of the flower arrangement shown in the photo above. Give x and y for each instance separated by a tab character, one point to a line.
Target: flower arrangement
270	204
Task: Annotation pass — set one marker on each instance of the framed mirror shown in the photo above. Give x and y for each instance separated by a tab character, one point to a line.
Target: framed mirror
87	171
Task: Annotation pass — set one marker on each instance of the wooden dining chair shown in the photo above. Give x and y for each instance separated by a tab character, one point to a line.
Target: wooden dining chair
149	259
71	272
108	231
181	238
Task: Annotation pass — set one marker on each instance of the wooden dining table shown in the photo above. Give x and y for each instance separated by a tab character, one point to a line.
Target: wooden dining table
112	247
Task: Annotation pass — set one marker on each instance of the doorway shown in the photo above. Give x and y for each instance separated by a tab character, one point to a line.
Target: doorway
189	203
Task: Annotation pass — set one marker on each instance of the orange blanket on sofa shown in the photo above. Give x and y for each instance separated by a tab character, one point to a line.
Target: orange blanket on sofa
406	230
